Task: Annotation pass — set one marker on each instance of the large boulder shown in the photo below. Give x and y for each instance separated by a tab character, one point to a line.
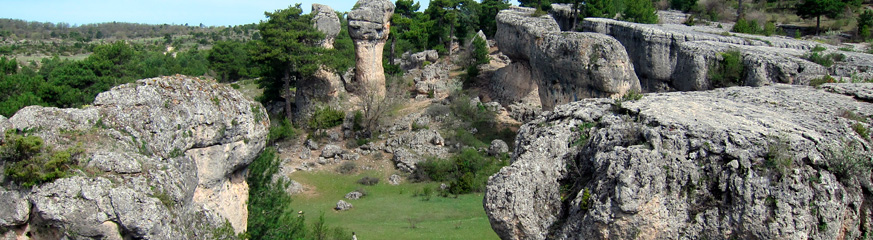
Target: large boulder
565	66
325	20
324	87
369	25
780	161
570	66
167	158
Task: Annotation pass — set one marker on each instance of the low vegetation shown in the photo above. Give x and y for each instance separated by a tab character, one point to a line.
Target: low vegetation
728	71
326	117
33	162
466	172
389	211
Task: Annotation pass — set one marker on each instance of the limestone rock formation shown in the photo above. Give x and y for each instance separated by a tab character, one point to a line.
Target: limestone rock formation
409	61
676	57
369	25
565	66
325	20
748	163
412	147
167	159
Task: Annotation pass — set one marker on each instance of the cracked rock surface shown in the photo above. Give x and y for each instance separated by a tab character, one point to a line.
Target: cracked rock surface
781	161
164	159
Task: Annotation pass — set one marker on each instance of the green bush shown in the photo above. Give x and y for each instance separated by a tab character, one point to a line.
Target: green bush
466	172
728	71
326	117
282	130
848	160
34	163
865	24
747	26
347	167
826	60
861	130
822	80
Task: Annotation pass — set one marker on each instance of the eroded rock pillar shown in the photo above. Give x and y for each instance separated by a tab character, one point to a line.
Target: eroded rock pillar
369	26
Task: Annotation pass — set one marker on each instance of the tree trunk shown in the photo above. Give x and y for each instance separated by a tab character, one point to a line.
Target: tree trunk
391	54
740	14
451	38
817	24
575	16
286	85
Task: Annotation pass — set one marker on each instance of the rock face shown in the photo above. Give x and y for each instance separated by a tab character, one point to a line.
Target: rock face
412	147
670	57
749	163
167	161
565	66
369	25
324	87
325	20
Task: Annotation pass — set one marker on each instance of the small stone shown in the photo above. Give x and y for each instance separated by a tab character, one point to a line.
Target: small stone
342	205
311	144
394	179
354	195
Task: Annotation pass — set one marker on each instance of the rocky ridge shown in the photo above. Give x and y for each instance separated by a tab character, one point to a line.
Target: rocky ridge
166	161
779	161
669	57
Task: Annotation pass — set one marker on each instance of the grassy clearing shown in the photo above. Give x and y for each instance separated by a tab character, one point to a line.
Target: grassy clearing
390	212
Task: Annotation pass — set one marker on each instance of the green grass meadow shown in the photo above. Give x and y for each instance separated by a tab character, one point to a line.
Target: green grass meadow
389	212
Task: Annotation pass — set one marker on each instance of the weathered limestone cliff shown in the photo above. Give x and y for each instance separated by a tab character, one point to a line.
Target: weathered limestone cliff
780	161
565	66
670	57
369	25
164	158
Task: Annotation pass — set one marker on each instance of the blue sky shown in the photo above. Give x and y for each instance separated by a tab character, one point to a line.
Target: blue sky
192	12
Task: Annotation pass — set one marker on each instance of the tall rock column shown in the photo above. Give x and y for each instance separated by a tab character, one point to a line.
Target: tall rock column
325	85
325	20
369	25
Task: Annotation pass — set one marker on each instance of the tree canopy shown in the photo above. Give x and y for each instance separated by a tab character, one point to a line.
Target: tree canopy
288	51
817	8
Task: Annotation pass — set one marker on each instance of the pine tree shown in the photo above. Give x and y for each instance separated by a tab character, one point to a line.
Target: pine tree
288	52
817	8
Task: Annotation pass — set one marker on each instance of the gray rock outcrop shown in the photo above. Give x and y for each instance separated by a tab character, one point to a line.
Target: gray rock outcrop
750	163
324	19
167	159
412	147
410	61
565	66
369	25
331	151
670	57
